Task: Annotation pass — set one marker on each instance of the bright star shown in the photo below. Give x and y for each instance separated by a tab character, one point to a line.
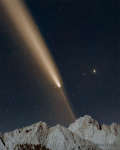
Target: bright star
94	71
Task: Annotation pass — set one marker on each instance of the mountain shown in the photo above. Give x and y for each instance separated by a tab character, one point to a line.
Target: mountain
84	134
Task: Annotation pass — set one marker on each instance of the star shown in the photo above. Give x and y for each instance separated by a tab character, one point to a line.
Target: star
94	71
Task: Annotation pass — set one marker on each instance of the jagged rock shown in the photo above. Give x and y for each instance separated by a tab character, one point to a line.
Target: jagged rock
106	137
30	147
84	134
35	134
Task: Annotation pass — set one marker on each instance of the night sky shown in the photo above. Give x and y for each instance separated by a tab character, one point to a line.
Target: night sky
83	37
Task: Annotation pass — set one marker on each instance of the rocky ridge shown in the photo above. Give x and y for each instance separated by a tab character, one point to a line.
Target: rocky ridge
84	134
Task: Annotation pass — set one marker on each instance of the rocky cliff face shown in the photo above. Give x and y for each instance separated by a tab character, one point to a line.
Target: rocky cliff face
84	134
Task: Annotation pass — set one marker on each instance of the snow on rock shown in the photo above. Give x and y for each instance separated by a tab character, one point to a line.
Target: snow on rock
84	134
60	138
39	137
35	134
106	137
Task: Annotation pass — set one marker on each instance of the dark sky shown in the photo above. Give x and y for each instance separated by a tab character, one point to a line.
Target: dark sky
83	36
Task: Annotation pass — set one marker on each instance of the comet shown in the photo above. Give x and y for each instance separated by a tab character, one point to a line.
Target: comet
27	31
